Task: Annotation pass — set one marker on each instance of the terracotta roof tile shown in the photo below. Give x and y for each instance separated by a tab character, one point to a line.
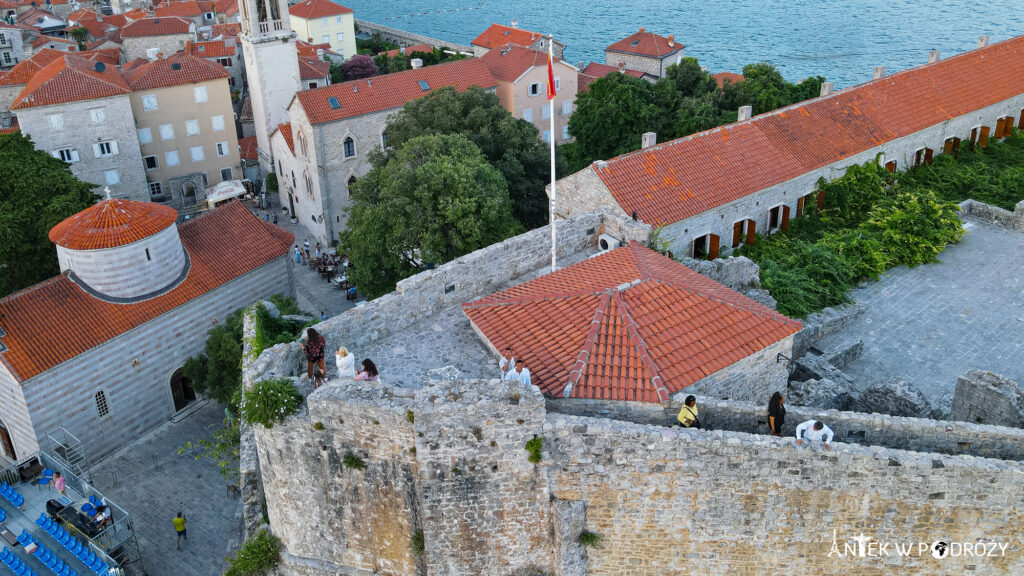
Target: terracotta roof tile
44	40
211	49
723	77
311	9
174	71
222	245
156	27
231	29
23	71
112	223
646	44
286	133
137	14
628	325
596	71
247	148
185	9
313	68
510	62
408	51
359	97
498	35
688	176
70	79
309	49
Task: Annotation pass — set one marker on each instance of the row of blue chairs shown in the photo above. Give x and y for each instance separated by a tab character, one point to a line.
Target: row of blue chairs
3	515
15	564
89	508
46	556
11	495
73	545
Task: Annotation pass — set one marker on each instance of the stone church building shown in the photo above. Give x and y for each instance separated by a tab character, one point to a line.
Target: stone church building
98	349
712	191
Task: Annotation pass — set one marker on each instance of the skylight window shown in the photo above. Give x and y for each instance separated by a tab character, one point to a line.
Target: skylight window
423	85
635	42
334	103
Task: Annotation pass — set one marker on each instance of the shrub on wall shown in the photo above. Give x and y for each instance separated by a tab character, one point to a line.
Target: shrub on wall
534	447
270	401
259	554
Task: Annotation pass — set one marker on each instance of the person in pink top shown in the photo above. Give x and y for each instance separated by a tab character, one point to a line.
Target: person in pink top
58	483
369	371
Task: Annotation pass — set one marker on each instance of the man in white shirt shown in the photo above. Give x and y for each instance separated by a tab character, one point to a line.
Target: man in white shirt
814	431
506	363
520	372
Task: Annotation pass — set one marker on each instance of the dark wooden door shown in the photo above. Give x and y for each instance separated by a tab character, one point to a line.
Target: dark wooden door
7	445
785	218
799	206
983	139
181	391
712	246
750	232
1000	126
821	199
928	156
737	233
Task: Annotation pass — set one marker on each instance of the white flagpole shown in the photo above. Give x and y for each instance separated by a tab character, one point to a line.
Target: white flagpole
551	115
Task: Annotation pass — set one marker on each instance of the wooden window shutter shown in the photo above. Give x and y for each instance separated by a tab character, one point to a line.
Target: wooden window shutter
983	139
785	218
712	246
751	225
821	199
737	233
928	156
947	146
1008	127
799	206
1020	123
1000	126
891	166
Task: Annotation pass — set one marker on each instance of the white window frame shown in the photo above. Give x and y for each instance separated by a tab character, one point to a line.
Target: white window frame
192	127
337	20
341	35
545	112
111	181
323	21
159	189
197	150
68	155
223	145
528	114
231	174
56	121
105	149
156	163
200	94
217	123
534	89
558	84
167	131
98	115
149	103
171	158
145	135
566	107
325	39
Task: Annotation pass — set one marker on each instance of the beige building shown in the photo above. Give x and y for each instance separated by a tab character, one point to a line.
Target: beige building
185	126
522	76
498	36
646	52
325	22
150	37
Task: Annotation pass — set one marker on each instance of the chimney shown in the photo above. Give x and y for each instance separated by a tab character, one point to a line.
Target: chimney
515	23
416	63
745	113
319	53
641	29
983	41
878	73
933	56
648	139
671	40
826	88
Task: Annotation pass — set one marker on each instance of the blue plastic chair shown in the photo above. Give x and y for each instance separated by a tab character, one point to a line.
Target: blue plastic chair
3	516
47	477
24	538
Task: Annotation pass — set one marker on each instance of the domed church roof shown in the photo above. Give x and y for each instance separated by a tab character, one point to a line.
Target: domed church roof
111	223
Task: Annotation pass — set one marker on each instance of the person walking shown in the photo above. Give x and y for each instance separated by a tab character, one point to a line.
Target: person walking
814	431
687	417
776	414
179	527
305	247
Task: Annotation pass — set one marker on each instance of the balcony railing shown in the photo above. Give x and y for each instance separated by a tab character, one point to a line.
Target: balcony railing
271	26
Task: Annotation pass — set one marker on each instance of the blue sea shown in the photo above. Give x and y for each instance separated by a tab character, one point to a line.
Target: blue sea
839	39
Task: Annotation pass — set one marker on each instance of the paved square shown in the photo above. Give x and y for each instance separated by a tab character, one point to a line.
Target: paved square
932	323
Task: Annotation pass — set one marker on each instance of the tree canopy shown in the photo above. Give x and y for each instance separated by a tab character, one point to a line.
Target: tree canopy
511	145
433	199
37	191
358	67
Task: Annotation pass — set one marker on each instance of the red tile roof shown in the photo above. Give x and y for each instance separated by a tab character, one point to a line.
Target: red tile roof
731	77
310	9
313	68
688	176
80	15
407	51
646	44
112	223
133	64
359	97
211	49
156	27
70	78
44	40
309	49
136	14
223	244
286	133
232	29
8	130
24	71
186	9
111	56
630	324
595	71
247	148
177	70
498	35
95	28
510	62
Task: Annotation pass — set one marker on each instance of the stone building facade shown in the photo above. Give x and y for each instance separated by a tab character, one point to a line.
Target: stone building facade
645	52
147	37
11	51
719	209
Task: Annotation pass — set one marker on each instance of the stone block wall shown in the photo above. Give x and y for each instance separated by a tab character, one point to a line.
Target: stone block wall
753	379
987	398
994	214
403	38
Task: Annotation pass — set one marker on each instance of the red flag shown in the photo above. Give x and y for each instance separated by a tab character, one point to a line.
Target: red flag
551	80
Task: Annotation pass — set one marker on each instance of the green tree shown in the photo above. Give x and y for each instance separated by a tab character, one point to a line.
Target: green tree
805	90
511	145
613	113
80	34
434	199
689	79
37	192
390	64
762	87
696	114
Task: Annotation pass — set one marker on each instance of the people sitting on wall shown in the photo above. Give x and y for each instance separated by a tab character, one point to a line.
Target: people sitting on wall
346	364
368	371
313	345
814	431
687	417
506	363
519	373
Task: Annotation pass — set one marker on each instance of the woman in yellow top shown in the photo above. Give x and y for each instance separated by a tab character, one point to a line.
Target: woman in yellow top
179	527
688	413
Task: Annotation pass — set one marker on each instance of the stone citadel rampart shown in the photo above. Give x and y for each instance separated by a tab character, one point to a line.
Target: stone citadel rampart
403	38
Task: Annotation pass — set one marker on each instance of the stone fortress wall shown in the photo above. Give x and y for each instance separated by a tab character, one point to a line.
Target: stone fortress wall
403	38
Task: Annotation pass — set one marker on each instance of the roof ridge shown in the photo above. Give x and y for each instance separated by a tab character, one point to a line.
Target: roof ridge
583	356
527	299
767	314
645	357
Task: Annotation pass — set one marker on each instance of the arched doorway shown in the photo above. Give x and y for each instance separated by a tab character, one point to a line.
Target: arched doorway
190	190
181	391
7	444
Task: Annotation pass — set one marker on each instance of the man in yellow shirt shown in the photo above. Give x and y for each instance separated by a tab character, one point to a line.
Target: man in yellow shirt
688	413
179	527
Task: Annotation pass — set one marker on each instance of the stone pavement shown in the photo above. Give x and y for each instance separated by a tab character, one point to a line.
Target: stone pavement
152	496
933	323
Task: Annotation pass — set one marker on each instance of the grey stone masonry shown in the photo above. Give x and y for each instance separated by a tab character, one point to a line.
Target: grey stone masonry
995	215
403	38
988	398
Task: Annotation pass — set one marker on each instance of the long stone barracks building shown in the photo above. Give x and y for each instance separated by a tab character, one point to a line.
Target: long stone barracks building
98	350
633	325
326	145
711	191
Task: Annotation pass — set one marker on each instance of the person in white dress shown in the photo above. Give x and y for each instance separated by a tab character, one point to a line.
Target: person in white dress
346	363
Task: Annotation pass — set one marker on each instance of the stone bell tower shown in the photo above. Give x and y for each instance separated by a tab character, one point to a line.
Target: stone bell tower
271	64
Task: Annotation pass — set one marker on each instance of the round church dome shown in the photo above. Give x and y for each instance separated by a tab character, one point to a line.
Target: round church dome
122	249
